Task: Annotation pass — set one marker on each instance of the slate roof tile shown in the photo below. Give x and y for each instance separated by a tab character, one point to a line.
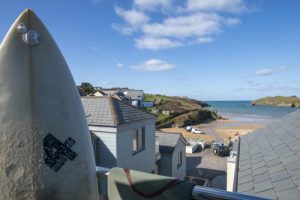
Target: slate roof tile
267	194
168	141
246	186
290	194
280	176
270	160
263	186
108	111
284	184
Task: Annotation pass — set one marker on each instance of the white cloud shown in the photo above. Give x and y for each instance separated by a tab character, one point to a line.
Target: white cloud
124	29
200	24
232	21
197	22
153	43
205	40
274	88
153	65
120	65
151	4
270	71
234	6
133	18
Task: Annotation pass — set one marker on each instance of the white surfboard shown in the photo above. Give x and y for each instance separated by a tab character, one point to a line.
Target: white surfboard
45	146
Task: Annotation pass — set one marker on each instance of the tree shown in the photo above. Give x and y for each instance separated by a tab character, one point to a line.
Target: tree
86	88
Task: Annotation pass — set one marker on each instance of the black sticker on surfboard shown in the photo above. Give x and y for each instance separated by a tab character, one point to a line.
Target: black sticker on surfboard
57	153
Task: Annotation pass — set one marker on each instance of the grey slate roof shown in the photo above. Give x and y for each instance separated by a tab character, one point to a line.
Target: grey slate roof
168	141
269	163
108	111
134	94
109	92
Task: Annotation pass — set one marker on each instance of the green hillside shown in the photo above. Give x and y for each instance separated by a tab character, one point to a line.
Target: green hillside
292	101
181	111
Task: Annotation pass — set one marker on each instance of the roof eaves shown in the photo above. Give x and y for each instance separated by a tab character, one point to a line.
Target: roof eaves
121	123
153	115
113	111
102	125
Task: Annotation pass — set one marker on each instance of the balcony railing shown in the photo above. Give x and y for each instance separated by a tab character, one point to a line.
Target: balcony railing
199	193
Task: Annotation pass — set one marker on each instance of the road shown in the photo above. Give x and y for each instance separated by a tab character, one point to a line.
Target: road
207	166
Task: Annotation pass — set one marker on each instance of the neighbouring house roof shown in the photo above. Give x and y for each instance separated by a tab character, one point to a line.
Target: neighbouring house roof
119	96
98	88
99	93
134	94
168	141
269	163
109	92
108	111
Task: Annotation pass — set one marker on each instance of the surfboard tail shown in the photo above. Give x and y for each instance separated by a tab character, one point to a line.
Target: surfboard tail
45	146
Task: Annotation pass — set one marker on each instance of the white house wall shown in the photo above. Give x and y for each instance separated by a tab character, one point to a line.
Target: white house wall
143	160
107	149
181	171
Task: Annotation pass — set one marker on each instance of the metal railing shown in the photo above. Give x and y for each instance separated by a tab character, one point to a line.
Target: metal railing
201	193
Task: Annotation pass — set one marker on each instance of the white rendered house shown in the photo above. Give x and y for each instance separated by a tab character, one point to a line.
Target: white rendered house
124	136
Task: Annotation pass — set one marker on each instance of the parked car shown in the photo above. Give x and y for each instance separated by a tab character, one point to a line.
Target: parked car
196	130
203	144
221	150
215	144
188	128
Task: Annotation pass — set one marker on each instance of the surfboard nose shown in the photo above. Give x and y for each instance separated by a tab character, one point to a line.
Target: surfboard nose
45	146
24	26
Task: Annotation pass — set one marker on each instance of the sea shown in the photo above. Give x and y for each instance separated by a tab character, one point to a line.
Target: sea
243	111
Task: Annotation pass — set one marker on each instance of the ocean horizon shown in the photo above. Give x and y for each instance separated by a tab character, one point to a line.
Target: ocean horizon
245	112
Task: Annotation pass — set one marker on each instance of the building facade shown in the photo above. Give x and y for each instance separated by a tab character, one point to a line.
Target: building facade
124	136
173	155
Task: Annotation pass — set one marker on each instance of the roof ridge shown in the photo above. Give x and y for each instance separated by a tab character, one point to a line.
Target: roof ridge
170	133
113	110
140	109
91	97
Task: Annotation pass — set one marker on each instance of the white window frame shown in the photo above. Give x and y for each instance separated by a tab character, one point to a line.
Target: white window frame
138	140
179	159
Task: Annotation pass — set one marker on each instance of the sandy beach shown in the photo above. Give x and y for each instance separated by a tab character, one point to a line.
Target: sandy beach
219	129
205	137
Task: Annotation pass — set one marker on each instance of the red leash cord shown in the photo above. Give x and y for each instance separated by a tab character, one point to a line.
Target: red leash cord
169	185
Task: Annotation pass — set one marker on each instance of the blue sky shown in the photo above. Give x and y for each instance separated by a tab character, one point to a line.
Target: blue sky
205	49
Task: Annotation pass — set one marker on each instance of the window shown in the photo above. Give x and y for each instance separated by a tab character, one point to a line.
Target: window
138	140
179	159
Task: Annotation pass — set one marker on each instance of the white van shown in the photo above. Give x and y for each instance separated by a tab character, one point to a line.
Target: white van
196	130
188	128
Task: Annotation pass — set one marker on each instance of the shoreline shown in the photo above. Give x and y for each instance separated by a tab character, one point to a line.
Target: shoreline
222	129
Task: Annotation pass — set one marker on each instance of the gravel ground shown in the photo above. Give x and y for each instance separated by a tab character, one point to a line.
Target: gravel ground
207	166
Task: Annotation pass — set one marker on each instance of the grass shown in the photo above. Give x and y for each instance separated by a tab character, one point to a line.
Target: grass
151	108
278	100
151	97
162	117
